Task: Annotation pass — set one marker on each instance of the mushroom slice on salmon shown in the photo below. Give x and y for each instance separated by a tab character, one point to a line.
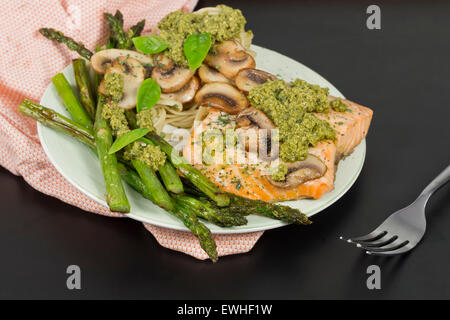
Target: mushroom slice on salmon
301	171
252	119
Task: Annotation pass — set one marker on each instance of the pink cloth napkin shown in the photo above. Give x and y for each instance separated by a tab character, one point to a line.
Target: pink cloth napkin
27	65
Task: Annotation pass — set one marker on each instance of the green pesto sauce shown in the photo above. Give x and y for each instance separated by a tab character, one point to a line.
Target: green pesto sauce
144	119
114	85
177	26
338	105
116	118
290	107
280	172
151	155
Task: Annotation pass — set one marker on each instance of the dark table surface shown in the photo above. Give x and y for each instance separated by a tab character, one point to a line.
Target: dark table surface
401	72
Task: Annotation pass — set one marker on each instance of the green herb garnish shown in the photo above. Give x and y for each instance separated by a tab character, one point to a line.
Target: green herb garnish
150	44
128	138
223	120
196	47
148	95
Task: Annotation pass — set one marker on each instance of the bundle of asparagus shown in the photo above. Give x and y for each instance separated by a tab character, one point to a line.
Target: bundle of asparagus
179	188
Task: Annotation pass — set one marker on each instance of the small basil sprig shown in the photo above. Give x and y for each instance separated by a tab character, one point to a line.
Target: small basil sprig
127	138
196	47
148	95
150	44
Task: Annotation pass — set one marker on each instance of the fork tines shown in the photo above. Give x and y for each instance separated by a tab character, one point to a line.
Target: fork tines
380	243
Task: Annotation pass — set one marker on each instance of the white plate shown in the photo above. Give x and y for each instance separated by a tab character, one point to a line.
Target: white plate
79	165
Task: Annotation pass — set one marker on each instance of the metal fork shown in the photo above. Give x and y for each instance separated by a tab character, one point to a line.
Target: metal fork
403	229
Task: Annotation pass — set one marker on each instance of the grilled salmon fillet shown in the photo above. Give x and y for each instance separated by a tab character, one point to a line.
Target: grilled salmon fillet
249	181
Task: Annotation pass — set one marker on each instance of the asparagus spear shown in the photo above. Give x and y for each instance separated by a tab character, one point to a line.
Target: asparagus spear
190	172
118	37
57	121
135	31
116	31
58	36
131	118
97	78
186	212
151	181
119	16
275	211
95	84
170	178
84	86
168	173
115	194
112	42
116	197
221	217
244	206
188	215
70	101
132	179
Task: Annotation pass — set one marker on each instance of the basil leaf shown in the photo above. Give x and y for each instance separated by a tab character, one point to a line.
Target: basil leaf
128	138
148	95
196	47
150	44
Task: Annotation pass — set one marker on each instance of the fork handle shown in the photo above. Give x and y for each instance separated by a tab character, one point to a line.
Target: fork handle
438	182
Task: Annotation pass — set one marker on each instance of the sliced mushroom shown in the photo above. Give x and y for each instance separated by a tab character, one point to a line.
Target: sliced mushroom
102	59
230	58
248	79
300	172
208	74
133	75
185	94
169	76
254	119
222	96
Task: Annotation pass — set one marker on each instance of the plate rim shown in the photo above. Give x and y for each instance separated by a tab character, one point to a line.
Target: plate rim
229	230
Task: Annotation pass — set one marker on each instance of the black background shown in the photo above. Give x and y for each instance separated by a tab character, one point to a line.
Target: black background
401	71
